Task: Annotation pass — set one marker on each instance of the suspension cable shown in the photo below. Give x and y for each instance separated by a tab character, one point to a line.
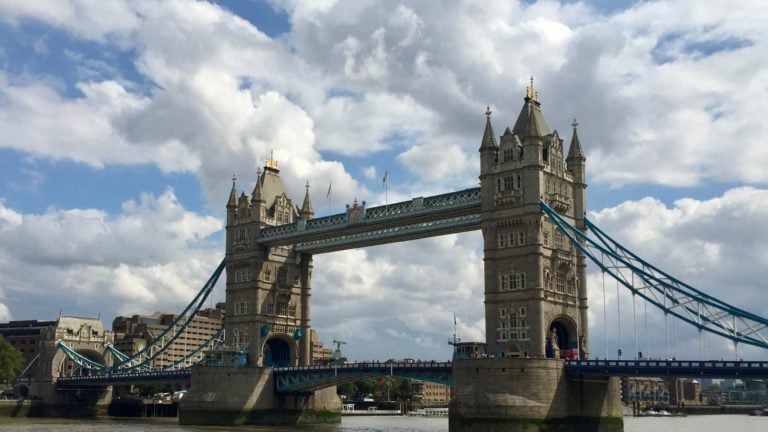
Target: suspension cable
634	324
618	315
645	316
605	315
674	338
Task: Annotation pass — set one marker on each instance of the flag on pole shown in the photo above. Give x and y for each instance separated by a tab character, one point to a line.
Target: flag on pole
384	180
328	194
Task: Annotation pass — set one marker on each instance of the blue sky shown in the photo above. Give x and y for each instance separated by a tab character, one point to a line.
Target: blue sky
121	124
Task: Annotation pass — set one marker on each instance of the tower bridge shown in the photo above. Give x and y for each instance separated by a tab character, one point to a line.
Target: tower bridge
531	211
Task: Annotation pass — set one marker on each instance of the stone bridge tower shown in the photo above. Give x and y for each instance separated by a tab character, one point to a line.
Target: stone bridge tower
535	291
88	338
535	282
268	288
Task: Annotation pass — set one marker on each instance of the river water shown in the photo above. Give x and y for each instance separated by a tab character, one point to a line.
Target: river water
712	423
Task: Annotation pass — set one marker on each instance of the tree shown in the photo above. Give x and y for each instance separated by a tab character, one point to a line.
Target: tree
11	361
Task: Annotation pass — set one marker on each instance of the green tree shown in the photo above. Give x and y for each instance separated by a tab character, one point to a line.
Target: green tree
347	389
11	361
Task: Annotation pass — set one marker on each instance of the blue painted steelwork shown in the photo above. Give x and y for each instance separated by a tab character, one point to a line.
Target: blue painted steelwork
198	354
393	234
420	217
662	290
671	368
80	360
309	378
27	367
174	330
143	359
110	378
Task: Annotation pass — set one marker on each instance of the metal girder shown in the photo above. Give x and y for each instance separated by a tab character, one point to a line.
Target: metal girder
667	293
80	360
393	234
340	233
310	378
144	358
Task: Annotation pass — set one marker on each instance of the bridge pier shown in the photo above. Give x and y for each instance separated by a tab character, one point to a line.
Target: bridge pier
531	395
50	401
233	395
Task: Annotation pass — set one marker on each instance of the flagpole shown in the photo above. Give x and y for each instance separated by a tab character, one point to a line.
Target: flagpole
386	189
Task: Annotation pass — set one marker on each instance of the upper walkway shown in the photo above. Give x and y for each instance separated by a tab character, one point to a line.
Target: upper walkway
407	220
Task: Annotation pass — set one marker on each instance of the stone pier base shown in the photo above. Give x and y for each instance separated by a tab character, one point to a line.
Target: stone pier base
530	395
82	403
245	396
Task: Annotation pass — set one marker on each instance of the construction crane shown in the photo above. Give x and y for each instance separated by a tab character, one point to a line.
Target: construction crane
336	357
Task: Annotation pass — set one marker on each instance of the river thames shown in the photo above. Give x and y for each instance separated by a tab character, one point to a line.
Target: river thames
714	423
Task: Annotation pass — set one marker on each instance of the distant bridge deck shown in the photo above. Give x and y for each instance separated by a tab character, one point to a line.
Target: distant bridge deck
669	368
308	378
124	378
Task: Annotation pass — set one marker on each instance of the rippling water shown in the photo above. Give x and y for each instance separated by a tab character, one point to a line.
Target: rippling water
715	423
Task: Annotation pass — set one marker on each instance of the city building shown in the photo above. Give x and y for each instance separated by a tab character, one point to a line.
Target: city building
133	334
684	391
430	394
24	336
320	354
650	390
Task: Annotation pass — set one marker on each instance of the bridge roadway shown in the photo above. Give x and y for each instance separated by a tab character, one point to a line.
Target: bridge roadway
306	378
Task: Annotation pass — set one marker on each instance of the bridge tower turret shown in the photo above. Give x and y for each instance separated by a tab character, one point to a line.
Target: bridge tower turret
535	283
268	288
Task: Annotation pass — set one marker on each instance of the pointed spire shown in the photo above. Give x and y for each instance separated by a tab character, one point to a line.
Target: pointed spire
256	195
306	208
489	138
244	200
575	151
233	193
531	122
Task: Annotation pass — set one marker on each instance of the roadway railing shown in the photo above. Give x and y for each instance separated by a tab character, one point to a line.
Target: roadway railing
368	365
676	368
306	378
124	378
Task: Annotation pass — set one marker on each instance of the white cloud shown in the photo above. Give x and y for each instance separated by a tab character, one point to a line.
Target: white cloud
155	255
666	93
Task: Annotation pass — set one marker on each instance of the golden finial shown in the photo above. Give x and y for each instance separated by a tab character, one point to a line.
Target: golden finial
271	162
531	93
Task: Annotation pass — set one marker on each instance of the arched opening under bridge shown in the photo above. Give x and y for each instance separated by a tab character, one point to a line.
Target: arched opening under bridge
561	339
277	353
